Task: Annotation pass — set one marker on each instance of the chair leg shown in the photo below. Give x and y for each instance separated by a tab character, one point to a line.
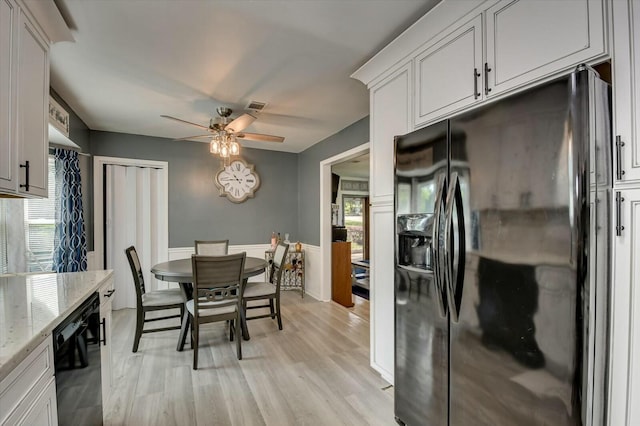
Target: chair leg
231	327
273	314
194	342
139	327
278	309
238	337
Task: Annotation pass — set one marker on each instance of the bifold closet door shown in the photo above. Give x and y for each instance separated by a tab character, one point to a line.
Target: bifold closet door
133	206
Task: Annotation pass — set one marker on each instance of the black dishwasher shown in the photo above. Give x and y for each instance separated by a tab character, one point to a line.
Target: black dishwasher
76	343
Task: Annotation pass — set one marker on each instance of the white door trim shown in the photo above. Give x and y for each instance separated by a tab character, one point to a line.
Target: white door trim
98	206
325	215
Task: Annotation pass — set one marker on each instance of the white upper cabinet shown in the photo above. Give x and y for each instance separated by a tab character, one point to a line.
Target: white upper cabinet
390	116
8	24
508	45
33	109
24	90
448	73
626	90
527	40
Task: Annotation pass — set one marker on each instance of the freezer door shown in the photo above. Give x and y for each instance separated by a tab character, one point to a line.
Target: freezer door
421	323
516	346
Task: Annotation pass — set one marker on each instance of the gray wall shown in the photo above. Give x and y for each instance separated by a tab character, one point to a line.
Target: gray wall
309	175
196	211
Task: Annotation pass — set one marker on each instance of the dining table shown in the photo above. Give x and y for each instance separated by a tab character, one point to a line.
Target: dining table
180	271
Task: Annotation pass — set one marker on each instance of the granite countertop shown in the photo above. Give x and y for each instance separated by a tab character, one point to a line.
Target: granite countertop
32	305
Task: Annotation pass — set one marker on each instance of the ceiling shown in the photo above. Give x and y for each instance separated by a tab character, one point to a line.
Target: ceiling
135	60
356	167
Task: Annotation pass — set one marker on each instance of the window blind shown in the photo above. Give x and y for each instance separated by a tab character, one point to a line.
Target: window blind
39	226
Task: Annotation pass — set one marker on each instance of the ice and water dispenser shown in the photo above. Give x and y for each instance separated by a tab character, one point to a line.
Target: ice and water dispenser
414	233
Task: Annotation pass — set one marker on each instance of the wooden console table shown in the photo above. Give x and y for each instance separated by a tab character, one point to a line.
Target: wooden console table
341	273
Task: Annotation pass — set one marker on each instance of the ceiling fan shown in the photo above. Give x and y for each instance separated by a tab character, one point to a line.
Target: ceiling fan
231	126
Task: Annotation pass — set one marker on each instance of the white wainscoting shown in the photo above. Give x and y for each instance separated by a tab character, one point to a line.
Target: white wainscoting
313	284
312	273
312	264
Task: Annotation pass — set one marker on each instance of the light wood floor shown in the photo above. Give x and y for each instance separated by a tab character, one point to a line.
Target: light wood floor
313	372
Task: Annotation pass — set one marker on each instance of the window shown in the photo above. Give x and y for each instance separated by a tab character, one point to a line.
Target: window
354	210
4	249
28	226
40	226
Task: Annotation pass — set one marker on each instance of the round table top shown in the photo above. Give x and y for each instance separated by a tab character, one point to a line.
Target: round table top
180	271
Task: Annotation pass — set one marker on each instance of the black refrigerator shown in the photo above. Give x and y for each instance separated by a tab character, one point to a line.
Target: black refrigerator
502	261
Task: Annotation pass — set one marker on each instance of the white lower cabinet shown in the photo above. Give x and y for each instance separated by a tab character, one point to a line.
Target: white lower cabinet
44	410
381	283
624	364
106	350
28	392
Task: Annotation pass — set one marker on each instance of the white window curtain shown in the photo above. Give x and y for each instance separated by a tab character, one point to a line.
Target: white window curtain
133	216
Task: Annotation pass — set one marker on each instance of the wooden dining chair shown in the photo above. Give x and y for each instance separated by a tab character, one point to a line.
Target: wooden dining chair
268	291
212	248
147	301
217	295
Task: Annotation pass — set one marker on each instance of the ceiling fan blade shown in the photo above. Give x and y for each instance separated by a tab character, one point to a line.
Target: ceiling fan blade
241	123
184	121
259	137
192	137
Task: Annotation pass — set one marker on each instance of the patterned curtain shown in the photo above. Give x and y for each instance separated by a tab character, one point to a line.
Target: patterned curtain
70	242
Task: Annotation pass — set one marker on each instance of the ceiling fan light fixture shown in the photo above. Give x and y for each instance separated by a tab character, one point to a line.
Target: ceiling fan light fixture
235	148
214	147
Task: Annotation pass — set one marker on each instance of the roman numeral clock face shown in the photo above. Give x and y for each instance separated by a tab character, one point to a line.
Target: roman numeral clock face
237	181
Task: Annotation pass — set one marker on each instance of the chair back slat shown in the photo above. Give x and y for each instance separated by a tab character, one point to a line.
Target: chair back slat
279	256
136	271
212	248
217	280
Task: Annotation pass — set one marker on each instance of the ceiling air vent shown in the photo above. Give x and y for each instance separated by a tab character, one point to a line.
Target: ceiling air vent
256	106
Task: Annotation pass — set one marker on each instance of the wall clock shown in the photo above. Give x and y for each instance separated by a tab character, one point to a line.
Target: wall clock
237	181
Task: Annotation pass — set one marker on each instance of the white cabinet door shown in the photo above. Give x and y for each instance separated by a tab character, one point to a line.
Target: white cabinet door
529	39
8	19
33	113
382	290
624	364
44	412
106	350
448	74
626	89
390	116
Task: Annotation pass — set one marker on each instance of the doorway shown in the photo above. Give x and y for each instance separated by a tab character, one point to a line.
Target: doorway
326	214
355	216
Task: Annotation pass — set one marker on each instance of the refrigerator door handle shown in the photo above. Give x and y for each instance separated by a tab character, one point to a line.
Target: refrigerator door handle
454	289
435	247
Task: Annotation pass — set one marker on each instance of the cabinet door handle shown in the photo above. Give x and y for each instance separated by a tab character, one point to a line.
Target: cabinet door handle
619	145
26	184
104	331
487	70
619	226
476	74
